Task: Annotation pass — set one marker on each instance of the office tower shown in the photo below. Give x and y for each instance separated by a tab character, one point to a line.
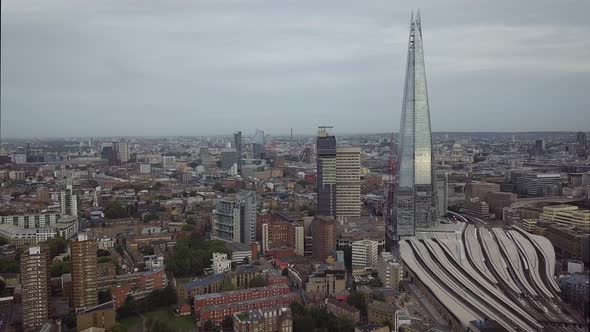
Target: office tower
229	157
84	272
69	201
364	254
238	146
582	143
326	173
108	153
258	142
415	192
248	216
324	237
234	218
348	182
539	148
34	274
442	193
121	151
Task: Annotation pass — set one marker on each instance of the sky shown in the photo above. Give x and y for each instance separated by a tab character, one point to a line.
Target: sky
172	67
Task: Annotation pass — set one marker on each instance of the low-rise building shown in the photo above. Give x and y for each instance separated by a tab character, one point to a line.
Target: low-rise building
269	320
100	316
389	270
202	302
343	309
364	254
207	285
381	312
220	263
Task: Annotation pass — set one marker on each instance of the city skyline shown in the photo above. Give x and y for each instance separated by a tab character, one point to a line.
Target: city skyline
183	73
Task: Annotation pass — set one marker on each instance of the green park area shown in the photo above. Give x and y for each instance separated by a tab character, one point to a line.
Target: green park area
162	317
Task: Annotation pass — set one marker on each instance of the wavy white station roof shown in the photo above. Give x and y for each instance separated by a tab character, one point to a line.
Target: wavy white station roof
457	308
511	252
475	253
528	251
493	251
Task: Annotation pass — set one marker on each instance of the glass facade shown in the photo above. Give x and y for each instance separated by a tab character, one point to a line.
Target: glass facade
416	191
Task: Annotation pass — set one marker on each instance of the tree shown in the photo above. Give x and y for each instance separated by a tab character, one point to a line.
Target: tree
129	308
8	266
257	281
227	286
217	186
359	301
115	210
57	245
57	269
151	217
3	241
209	326
227	323
2	286
102	253
188	228
118	328
104	296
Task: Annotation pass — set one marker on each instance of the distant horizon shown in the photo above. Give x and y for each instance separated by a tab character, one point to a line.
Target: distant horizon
3	139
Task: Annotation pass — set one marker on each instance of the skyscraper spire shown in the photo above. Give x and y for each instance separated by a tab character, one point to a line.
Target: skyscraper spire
415	190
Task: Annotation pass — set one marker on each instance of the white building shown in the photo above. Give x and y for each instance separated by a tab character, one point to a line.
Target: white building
234	219
145	168
299	240
168	162
348	182
389	270
153	261
220	263
122	150
69	201
364	254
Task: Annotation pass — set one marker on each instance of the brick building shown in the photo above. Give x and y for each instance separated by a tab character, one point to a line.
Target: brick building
343	309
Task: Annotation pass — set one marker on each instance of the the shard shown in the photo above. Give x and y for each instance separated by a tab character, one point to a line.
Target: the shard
415	192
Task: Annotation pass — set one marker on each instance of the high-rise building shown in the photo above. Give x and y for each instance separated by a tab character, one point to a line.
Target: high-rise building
539	148
238	146
234	218
84	270
324	237
34	274
326	173
69	201
348	182
248	216
582	143
442	193
122	151
258	143
229	157
364	254
415	191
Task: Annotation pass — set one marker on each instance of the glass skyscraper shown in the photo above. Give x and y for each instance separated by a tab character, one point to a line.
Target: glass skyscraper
415	190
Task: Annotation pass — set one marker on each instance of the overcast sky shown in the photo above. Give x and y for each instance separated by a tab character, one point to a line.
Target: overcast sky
168	67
